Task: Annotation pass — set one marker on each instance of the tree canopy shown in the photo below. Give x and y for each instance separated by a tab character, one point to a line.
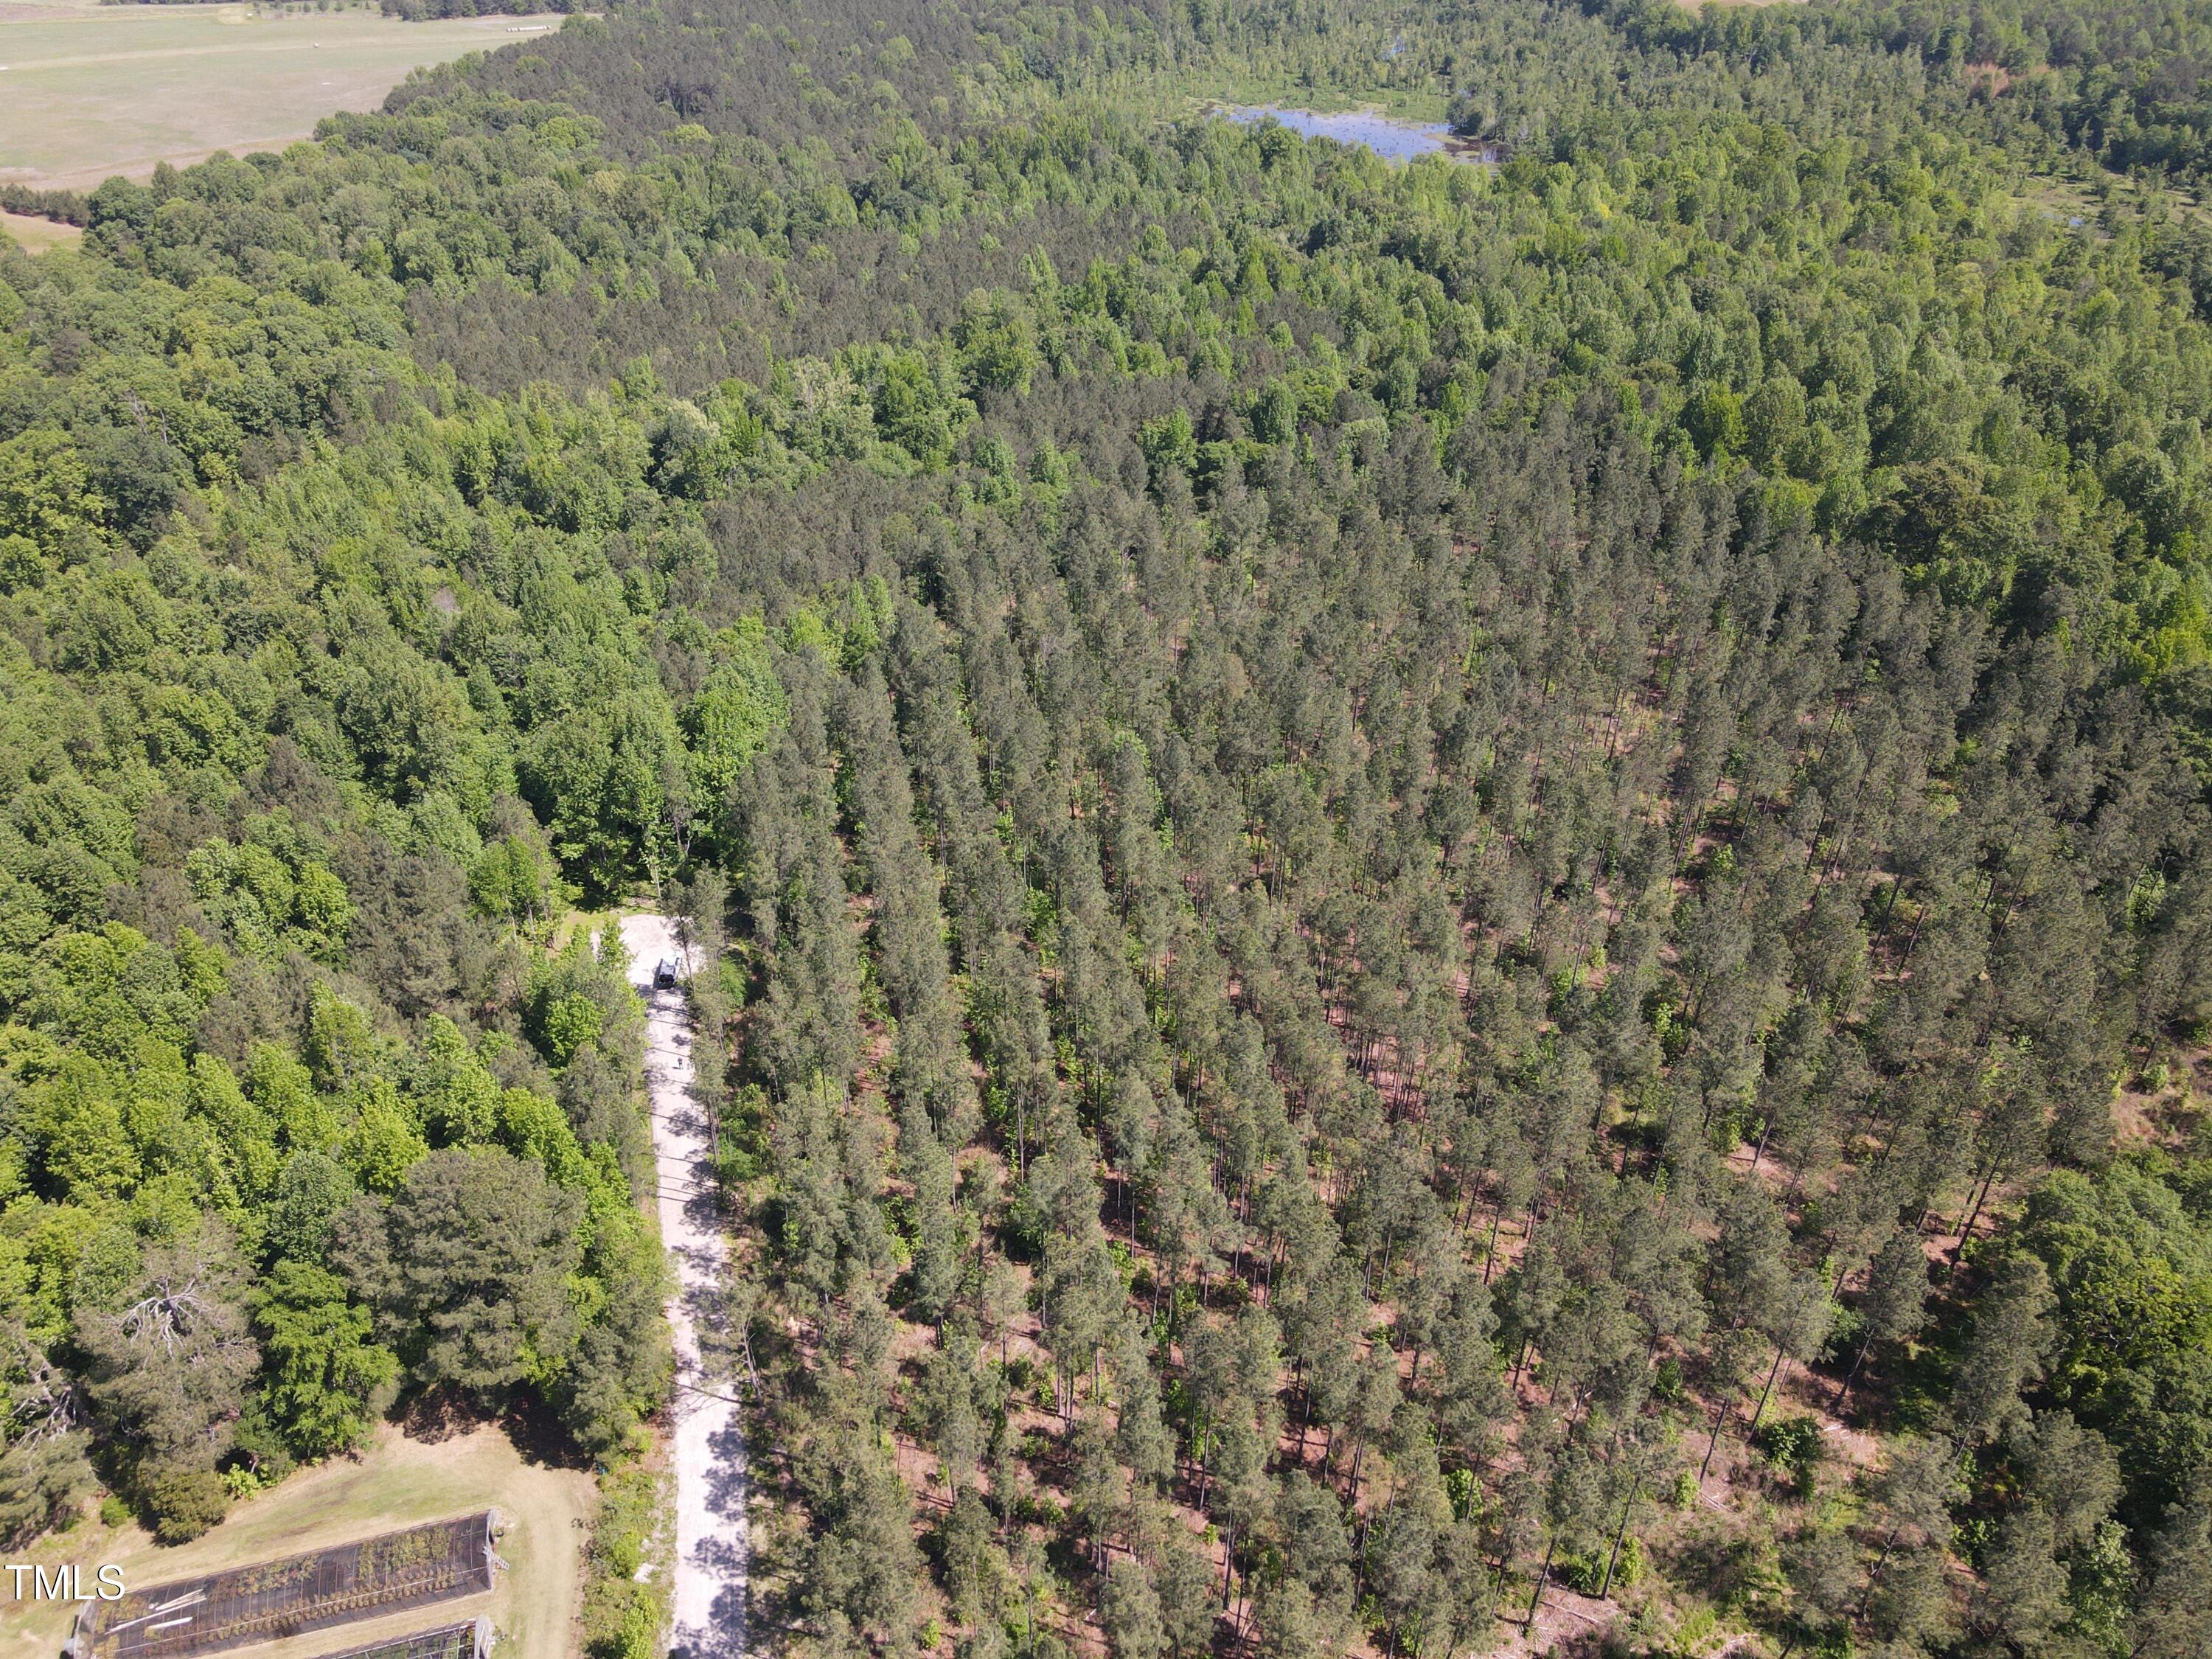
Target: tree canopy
1404	869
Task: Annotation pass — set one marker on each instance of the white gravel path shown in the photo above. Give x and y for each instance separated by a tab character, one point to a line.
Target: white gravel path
709	1449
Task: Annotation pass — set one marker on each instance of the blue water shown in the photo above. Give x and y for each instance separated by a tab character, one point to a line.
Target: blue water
1393	141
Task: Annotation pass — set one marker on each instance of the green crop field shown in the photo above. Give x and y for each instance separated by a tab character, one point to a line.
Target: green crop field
88	90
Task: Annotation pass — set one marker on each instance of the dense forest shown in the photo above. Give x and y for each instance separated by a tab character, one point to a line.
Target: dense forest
1437	896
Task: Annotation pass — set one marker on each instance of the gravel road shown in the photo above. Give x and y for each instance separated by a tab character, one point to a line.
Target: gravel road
709	1449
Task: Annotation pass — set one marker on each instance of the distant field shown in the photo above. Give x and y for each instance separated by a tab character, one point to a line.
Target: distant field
397	1482
88	90
40	235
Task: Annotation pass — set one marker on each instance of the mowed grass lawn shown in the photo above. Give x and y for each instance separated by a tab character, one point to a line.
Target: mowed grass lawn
397	1482
88	90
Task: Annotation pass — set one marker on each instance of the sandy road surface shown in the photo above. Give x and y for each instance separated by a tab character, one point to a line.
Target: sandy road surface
709	1448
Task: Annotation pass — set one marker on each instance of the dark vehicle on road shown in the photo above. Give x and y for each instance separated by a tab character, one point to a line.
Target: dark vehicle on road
664	977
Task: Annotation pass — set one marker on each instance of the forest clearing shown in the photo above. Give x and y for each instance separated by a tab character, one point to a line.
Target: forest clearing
400	1479
36	235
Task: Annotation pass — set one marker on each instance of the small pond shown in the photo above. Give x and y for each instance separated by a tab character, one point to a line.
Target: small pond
1392	139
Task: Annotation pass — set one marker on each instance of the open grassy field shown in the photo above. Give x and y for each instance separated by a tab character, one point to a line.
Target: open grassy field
88	90
397	1482
37	235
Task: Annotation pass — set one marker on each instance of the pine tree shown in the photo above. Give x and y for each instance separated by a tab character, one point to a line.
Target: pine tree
1895	1302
